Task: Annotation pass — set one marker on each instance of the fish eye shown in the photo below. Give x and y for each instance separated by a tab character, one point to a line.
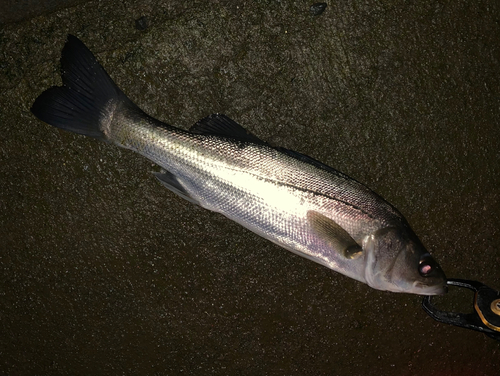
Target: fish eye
424	269
426	266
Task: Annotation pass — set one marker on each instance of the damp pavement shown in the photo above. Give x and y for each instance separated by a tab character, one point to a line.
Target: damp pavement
103	271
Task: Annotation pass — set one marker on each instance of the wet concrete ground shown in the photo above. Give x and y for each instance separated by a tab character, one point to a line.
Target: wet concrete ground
106	272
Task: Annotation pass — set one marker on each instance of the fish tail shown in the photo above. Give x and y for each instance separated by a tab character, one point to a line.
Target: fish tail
88	97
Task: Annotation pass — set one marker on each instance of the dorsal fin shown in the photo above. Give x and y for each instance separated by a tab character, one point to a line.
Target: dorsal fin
221	125
311	161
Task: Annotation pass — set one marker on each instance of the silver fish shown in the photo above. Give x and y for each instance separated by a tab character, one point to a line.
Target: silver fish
286	197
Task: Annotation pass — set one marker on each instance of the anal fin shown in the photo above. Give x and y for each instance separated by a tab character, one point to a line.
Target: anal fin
171	182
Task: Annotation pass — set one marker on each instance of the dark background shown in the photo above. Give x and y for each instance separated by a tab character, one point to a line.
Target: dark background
103	271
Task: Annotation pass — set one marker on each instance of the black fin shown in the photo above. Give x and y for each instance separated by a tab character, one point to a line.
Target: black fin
80	104
221	125
171	182
311	161
338	238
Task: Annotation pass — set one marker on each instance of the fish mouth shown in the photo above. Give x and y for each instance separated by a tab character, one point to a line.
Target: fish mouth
426	289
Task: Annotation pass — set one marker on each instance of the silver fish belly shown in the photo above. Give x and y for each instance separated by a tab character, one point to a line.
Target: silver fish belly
284	196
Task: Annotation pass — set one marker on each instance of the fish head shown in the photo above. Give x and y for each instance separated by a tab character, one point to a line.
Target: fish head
395	260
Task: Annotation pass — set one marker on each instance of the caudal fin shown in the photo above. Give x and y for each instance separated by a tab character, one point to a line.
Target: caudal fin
81	104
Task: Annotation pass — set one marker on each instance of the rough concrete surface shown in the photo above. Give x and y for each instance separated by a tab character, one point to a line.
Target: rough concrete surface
103	271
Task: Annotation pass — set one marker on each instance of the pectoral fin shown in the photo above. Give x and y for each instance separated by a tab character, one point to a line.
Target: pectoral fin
332	233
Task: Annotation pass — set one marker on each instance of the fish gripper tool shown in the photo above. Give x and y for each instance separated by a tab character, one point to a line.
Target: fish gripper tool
486	315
